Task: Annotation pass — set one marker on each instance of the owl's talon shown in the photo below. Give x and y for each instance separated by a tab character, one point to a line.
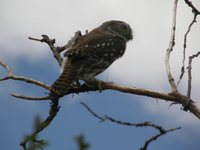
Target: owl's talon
94	84
77	83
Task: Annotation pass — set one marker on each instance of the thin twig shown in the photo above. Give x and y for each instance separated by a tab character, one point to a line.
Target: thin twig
24	97
143	124
57	50
92	112
9	71
22	78
194	9
153	138
52	113
105	118
161	130
29	80
190	73
51	43
184	47
170	49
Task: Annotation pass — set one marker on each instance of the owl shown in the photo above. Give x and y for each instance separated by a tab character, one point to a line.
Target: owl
91	54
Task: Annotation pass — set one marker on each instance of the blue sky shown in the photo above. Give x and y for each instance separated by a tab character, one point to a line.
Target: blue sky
142	66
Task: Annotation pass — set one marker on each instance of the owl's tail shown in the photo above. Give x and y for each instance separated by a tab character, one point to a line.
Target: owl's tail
62	85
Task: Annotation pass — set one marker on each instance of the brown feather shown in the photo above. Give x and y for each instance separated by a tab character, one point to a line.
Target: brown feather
65	80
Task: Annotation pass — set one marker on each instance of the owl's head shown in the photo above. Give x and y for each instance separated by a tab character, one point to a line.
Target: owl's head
118	28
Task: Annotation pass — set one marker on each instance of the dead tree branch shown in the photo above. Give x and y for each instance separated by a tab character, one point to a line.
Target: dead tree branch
185	46
57	50
161	130
51	43
170	49
194	9
30	97
190	73
21	78
155	137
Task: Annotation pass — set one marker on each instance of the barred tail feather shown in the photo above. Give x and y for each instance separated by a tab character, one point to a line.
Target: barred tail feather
61	86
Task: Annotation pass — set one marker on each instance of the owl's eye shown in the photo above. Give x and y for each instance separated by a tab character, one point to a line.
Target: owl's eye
123	28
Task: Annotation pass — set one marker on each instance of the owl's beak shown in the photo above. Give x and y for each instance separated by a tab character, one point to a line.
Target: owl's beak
129	36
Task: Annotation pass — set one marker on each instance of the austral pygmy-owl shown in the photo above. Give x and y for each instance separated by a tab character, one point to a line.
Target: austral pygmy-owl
91	54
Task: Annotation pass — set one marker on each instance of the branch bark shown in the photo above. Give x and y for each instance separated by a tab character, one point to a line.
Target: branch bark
190	73
21	78
170	49
194	9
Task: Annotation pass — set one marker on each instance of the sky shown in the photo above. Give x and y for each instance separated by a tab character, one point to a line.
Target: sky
142	66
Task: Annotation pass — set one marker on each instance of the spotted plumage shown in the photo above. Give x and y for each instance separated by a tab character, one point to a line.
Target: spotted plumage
92	54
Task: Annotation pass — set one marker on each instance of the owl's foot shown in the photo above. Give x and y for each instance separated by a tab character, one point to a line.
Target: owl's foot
77	83
94	84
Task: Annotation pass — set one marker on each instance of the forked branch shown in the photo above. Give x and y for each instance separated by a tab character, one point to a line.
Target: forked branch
161	130
194	9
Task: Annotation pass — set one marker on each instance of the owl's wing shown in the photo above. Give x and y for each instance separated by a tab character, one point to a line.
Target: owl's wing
100	45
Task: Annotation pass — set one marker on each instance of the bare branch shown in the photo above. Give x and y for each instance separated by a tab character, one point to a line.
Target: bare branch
187	103
105	118
194	9
92	112
29	80
57	50
124	89
143	124
131	90
161	130
51	43
29	97
170	49
4	65
190	73
184	47
22	78
153	138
